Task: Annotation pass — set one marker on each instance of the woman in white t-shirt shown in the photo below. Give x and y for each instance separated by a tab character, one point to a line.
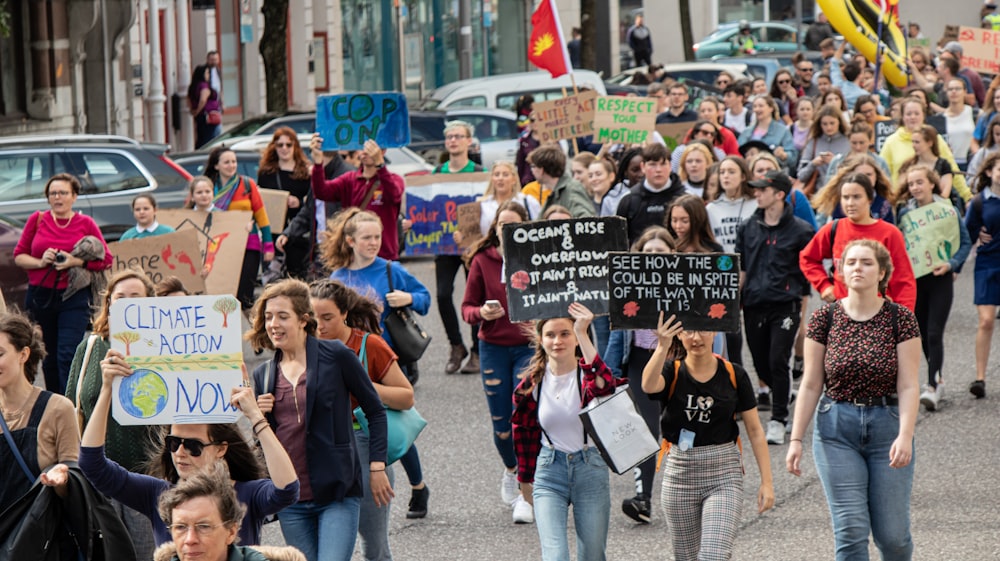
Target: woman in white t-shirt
960	122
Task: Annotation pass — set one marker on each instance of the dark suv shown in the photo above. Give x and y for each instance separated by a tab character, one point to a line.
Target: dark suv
112	171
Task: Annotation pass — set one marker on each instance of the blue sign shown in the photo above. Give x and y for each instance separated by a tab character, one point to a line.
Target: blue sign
432	203
346	121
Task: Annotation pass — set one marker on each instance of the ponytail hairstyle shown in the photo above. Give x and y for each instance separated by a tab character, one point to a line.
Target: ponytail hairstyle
335	251
23	334
359	312
491	239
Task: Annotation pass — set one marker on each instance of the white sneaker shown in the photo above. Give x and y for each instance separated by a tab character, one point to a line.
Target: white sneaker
524	513
929	398
509	490
775	432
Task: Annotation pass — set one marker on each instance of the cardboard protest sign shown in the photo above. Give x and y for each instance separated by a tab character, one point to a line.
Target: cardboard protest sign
552	263
346	121
568	117
222	239
980	49
673	133
701	289
432	203
883	130
469	215
175	254
624	120
187	354
931	235
276	205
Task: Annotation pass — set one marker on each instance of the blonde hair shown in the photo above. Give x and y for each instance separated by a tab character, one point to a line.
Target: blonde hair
101	324
691	148
335	252
490	190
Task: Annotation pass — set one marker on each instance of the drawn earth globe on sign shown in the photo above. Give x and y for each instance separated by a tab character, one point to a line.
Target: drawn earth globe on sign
143	394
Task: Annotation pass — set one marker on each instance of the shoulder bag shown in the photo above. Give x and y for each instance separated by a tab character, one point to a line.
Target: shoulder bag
80	421
409	339
618	430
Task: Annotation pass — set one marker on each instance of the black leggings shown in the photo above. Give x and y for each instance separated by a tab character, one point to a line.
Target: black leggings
934	298
650	409
248	278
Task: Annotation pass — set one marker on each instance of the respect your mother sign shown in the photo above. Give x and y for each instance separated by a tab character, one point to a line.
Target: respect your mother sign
186	353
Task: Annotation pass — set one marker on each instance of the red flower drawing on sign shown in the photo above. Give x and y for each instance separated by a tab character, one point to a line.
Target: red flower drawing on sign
717	311
520	280
630	309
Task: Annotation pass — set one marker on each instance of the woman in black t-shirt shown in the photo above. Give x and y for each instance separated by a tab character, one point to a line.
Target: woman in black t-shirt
284	166
703	478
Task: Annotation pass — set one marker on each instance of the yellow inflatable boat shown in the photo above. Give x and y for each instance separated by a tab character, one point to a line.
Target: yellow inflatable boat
857	21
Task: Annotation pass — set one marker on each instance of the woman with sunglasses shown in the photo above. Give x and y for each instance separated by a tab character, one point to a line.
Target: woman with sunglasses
284	166
186	450
706	132
786	93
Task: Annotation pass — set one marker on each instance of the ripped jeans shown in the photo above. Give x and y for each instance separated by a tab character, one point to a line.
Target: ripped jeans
500	367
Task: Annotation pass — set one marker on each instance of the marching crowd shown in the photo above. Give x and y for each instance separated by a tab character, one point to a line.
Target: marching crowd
784	174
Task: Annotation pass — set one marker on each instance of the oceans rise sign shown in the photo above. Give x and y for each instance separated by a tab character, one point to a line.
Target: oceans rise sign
624	120
346	121
568	117
931	235
186	353
432	203
701	289
980	49
550	264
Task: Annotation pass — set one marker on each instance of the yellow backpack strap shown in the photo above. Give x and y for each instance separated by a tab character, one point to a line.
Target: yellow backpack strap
732	380
665	444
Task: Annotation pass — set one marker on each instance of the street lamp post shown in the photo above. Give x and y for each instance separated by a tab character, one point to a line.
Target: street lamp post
155	98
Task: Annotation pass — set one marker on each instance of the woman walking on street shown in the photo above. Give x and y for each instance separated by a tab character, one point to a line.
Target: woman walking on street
982	219
864	350
284	166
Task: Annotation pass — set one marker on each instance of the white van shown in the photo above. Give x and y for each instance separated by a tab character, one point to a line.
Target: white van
502	91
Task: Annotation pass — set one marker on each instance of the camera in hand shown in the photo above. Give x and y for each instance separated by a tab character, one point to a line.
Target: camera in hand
60	258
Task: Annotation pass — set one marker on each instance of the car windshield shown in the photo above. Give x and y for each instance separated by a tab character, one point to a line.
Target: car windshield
428	104
720	33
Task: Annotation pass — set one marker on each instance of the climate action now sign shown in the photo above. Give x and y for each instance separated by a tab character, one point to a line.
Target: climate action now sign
624	120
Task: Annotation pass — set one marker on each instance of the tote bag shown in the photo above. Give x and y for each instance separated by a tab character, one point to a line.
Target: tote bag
618	430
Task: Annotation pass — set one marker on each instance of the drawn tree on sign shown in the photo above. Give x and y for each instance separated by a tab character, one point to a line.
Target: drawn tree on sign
226	306
127	337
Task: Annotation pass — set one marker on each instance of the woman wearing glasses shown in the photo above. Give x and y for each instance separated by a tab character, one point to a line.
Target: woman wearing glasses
187	450
786	93
284	166
705	131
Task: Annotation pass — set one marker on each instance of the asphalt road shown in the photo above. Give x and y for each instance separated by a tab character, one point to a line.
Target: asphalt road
955	503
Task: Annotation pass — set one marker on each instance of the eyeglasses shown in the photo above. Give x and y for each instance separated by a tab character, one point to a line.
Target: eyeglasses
722	82
705	131
56	194
192	445
461	136
283	144
202	529
784	82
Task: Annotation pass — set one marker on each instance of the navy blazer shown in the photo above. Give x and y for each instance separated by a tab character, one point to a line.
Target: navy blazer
334	374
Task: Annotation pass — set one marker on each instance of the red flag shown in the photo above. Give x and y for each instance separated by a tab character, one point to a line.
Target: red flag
546	48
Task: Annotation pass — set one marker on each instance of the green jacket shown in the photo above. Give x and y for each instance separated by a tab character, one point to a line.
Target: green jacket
569	193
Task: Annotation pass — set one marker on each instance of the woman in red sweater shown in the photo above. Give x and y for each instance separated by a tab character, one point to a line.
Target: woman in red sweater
504	347
46	252
856	196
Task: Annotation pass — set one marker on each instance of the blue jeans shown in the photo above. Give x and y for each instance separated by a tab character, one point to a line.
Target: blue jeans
373	524
580	479
602	332
411	465
322	532
63	324
500	366
851	445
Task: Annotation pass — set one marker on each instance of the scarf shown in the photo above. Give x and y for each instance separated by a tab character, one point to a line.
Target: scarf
224	196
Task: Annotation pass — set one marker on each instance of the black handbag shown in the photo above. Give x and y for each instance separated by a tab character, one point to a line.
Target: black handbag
409	339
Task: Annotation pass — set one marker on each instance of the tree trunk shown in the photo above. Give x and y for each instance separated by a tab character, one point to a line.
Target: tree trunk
272	50
686	35
588	29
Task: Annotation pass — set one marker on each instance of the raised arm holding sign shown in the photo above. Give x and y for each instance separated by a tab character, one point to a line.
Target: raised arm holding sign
348	121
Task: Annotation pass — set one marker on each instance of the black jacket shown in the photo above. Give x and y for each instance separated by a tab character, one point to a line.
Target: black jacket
644	208
331	453
303	226
36	525
769	255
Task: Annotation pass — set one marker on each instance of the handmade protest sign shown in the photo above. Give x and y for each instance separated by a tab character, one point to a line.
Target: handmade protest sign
624	120
931	235
432	203
980	49
550	264
276	205
346	121
567	117
673	133
701	289
175	254
186	354
883	130
222	239
468	223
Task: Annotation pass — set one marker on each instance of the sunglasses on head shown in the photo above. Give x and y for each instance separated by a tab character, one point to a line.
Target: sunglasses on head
192	445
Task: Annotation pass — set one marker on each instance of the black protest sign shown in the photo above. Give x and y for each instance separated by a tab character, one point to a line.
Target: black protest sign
883	130
701	289
551	264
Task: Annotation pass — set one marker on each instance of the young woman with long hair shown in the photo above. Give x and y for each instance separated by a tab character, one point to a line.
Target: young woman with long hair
688	223
926	153
827	139
827	200
600	179
764	162
629	174
693	170
284	166
983	222
786	94
805	111
959	123
735	202
504	347
771	131
990	145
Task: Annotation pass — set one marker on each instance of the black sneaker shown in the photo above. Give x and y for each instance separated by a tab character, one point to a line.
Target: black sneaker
418	503
764	401
412	374
637	508
797	367
978	389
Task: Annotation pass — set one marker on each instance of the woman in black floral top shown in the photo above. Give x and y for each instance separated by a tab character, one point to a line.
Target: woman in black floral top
865	350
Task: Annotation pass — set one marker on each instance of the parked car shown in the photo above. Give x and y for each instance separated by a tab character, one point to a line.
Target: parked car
112	171
503	90
401	161
13	279
704	72
495	129
265	125
768	37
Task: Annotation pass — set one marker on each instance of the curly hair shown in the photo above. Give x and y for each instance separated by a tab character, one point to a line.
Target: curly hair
359	312
101	325
902	187
23	334
269	158
214	483
826	199
335	251
297	293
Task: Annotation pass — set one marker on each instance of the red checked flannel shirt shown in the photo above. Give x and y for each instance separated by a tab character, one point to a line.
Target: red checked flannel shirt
528	431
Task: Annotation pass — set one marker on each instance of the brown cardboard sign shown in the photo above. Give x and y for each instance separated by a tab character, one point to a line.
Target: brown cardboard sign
624	120
567	117
222	239
175	254
673	133
469	216
276	205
